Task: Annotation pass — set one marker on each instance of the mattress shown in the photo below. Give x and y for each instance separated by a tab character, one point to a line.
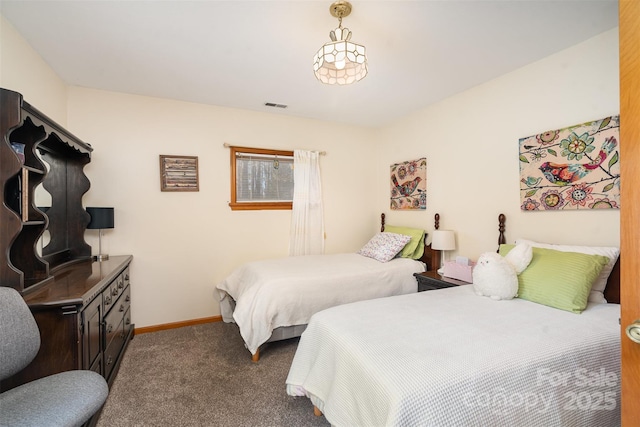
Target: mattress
451	358
285	292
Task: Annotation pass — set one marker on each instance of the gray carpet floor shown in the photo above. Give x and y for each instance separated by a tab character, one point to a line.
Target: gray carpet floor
203	376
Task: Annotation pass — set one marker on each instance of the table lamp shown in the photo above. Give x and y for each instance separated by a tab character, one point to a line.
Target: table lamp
443	240
101	218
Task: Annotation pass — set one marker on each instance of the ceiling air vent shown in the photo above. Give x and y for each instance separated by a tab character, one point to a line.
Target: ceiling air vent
271	104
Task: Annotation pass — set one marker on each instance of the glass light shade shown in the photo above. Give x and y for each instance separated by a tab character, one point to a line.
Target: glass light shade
341	61
443	240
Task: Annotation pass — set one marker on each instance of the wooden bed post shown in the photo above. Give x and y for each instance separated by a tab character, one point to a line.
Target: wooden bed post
382	217
501	239
255	357
435	255
317	412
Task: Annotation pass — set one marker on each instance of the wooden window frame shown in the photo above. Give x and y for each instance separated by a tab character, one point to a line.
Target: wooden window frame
247	206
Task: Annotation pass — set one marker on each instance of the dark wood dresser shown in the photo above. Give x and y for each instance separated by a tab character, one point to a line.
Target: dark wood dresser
81	306
84	318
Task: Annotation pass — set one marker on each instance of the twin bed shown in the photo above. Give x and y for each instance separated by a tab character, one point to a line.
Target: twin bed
274	299
451	358
440	358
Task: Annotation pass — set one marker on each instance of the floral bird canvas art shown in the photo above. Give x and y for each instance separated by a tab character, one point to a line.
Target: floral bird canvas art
409	185
572	168
565	174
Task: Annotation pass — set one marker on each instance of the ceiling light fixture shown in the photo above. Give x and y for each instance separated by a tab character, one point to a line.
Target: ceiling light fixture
340	61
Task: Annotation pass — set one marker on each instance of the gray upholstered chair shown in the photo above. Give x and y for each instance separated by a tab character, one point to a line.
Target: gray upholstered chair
64	399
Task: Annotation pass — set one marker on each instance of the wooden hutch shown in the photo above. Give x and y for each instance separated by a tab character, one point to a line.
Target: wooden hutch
82	306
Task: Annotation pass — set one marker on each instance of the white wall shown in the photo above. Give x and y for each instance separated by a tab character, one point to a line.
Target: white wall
471	144
184	243
24	71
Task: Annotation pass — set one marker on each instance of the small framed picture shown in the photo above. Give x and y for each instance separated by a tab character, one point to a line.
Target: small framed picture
179	173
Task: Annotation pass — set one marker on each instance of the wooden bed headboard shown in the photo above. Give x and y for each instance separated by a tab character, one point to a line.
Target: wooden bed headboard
611	292
430	257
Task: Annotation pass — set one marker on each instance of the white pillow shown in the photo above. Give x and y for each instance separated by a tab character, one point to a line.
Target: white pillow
597	290
384	246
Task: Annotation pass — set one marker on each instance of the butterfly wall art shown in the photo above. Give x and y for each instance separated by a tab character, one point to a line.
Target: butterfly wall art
577	167
409	185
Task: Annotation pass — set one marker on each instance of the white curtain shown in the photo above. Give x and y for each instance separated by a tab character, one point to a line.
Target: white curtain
307	224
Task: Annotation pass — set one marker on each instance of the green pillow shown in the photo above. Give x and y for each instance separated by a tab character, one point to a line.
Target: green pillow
558	279
415	248
417	254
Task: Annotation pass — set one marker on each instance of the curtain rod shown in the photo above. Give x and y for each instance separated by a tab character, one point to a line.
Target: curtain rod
227	145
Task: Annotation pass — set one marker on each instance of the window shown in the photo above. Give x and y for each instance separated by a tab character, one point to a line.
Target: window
261	179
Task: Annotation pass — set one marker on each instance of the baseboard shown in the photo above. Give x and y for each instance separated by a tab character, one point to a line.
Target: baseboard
175	325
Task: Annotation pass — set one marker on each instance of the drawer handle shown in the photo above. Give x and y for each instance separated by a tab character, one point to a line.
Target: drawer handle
128	298
109	328
109	360
127	321
114	292
107	300
120	284
121	307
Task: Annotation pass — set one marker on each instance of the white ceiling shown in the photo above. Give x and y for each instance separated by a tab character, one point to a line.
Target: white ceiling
244	53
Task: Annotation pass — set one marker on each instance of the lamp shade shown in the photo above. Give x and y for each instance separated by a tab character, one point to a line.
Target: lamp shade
443	240
100	218
340	61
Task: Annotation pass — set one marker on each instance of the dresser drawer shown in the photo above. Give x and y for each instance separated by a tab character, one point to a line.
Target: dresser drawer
113	349
124	301
128	326
125	275
115	288
113	322
110	294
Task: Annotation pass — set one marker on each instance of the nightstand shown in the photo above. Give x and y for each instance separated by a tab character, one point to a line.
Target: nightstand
430	280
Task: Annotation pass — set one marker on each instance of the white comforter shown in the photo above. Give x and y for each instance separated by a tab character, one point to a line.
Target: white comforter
451	358
288	291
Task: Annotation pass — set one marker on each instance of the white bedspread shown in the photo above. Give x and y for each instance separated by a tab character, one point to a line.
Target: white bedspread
288	291
451	358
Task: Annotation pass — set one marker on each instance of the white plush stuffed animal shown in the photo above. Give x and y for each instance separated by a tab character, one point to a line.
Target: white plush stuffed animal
496	277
